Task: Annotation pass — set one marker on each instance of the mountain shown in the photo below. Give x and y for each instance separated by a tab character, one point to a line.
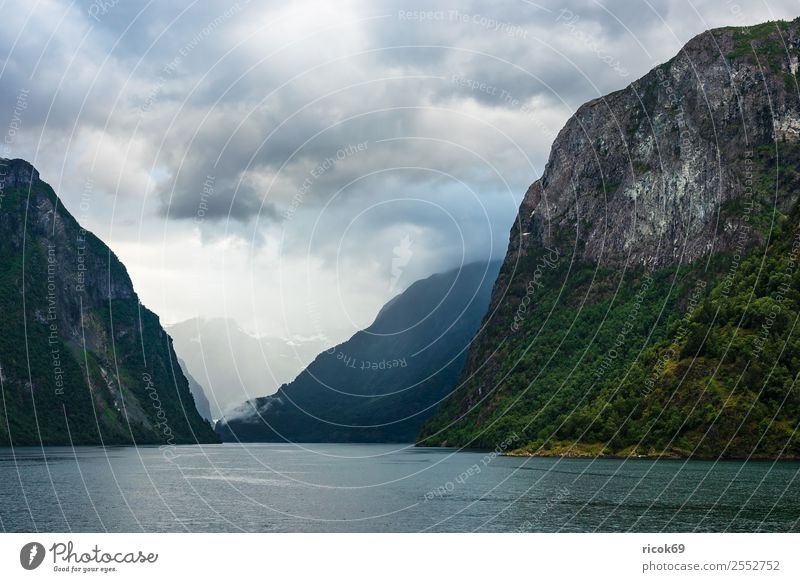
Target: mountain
199	394
234	366
381	384
649	299
81	360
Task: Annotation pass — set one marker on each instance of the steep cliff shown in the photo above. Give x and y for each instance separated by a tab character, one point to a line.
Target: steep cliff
198	393
81	360
648	301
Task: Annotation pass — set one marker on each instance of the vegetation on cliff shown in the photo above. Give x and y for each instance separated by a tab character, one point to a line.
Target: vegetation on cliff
81	360
667	326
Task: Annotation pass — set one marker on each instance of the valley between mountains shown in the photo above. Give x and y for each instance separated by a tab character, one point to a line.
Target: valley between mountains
647	305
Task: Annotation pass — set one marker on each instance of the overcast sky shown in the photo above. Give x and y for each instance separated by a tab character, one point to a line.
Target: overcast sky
292	165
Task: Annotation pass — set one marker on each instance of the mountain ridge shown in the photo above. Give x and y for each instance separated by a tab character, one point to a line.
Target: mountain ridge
665	202
83	362
381	383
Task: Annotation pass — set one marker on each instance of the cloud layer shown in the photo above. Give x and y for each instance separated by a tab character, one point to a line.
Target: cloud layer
269	156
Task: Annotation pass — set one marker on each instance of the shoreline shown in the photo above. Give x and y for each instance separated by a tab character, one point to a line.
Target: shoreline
594	452
518	453
674	456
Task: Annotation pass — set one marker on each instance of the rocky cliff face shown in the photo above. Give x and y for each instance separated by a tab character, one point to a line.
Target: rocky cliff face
653	221
642	176
198	393
81	360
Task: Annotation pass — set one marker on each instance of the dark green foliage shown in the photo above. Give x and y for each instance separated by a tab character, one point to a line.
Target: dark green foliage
765	41
80	365
702	360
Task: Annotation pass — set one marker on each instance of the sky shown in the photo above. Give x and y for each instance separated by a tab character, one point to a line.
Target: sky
294	165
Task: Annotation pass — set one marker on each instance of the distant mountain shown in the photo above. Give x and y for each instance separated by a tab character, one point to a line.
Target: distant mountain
648	304
381	384
81	360
200	399
234	366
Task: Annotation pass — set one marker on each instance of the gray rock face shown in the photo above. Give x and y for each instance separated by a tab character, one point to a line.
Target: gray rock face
695	165
198	393
641	176
17	173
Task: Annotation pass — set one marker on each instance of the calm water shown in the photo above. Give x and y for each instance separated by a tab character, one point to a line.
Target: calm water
383	488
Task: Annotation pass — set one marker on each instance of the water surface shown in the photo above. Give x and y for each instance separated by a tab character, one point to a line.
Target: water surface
340	488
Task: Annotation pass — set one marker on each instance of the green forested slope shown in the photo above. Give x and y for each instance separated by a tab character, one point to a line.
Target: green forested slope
82	361
663	321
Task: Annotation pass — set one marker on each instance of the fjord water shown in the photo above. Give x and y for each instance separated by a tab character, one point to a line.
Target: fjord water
334	487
